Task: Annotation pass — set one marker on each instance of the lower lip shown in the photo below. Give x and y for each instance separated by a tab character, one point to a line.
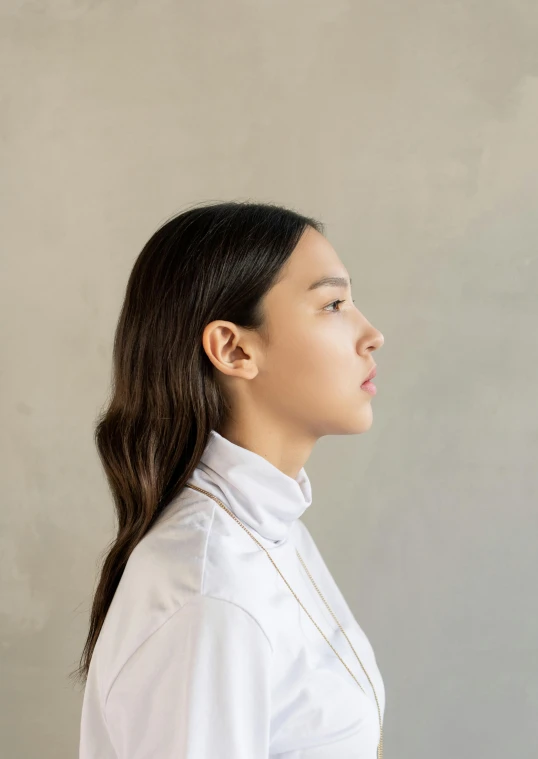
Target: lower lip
369	387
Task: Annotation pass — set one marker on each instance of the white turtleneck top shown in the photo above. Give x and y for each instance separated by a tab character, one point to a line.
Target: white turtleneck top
205	653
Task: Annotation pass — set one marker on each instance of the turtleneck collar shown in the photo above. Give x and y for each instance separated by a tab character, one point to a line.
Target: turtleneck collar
259	494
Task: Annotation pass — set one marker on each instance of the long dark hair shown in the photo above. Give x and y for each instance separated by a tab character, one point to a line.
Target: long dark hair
209	262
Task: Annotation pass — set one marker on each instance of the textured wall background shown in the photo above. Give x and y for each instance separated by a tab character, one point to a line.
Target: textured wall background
410	128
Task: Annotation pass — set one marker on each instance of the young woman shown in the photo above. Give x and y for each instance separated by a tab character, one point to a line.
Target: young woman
217	630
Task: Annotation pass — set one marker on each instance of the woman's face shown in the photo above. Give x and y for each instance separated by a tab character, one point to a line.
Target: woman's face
308	378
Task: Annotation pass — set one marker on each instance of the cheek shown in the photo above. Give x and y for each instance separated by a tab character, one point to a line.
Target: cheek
306	354
316	365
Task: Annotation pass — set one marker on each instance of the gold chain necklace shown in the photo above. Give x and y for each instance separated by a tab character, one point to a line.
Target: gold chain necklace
380	746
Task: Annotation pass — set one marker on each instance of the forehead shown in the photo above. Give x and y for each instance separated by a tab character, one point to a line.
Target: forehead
313	258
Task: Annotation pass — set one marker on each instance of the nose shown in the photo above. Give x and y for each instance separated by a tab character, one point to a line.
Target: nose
371	340
378	340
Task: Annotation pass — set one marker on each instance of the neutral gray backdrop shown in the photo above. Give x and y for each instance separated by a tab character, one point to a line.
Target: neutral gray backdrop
411	129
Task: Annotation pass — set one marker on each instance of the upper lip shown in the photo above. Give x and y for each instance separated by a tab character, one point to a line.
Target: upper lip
371	375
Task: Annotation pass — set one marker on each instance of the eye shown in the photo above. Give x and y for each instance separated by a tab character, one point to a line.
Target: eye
335	311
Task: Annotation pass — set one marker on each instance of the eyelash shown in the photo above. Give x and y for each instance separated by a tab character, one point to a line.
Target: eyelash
332	304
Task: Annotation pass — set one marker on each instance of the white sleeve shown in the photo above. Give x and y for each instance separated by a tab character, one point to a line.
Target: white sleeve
197	688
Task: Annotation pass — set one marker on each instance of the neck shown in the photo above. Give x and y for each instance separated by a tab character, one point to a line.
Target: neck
280	447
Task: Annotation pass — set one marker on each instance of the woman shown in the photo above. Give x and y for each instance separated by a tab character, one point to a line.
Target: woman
210	637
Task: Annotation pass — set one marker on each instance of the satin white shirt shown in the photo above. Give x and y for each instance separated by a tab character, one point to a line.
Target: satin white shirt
206	654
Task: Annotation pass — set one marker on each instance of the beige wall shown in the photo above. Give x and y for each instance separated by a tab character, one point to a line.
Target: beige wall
410	128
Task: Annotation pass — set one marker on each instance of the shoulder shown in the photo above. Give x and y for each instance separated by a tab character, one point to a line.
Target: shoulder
175	576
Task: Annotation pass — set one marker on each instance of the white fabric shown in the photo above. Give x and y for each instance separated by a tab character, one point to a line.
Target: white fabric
206	654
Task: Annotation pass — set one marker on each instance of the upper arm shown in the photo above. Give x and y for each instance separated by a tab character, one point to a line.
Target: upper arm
198	688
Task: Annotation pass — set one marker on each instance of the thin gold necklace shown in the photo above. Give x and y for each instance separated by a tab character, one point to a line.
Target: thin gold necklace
380	746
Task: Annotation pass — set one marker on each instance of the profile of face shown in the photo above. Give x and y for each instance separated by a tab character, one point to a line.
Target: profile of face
308	378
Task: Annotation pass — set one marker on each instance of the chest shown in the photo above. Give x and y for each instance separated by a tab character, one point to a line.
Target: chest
322	706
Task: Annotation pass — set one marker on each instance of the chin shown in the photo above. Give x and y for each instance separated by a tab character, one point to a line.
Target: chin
363	420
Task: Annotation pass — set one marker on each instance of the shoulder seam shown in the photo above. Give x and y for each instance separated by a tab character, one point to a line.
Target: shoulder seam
148	637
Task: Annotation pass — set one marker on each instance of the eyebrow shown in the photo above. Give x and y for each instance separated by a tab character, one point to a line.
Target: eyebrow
331	281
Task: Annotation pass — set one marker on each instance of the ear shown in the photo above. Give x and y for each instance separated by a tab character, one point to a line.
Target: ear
230	349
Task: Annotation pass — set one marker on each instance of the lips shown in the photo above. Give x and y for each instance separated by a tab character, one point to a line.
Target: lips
371	375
